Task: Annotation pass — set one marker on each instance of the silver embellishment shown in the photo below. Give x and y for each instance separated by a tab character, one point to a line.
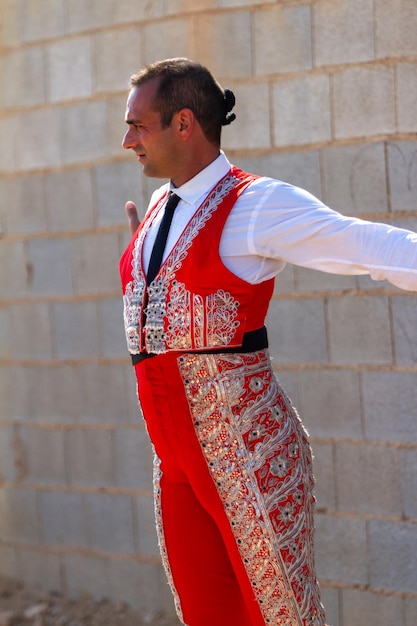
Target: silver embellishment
157	474
179	317
171	321
258	455
134	295
198	328
155	336
221	315
132	311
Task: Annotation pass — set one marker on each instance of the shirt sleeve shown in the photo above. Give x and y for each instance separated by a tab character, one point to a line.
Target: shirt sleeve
286	224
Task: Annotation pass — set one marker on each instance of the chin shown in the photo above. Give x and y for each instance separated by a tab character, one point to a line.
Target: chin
147	171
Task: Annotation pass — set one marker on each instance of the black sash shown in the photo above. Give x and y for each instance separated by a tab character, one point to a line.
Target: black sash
252	341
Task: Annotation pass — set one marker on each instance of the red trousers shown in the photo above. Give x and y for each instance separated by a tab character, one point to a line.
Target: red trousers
233	490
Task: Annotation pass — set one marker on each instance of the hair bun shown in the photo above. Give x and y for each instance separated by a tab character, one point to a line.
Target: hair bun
229	103
229	100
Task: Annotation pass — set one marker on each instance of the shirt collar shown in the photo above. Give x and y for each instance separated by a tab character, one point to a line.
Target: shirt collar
197	188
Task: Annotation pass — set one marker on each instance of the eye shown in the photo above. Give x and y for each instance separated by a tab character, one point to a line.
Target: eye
138	127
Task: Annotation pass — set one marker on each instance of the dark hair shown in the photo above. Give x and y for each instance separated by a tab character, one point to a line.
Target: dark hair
187	84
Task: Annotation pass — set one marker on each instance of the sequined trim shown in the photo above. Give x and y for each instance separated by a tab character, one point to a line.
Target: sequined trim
259	458
157	474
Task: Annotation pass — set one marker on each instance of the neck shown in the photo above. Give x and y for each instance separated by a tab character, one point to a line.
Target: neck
196	162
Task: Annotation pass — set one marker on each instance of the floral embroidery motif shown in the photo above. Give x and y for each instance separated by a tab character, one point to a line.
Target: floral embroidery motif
259	458
176	319
199	309
221	315
179	317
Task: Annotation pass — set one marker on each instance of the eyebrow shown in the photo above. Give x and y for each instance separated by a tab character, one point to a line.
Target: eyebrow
132	122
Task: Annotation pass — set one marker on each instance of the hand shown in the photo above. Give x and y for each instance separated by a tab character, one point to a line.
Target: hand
132	216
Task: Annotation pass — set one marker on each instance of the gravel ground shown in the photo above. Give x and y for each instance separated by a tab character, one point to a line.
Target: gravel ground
20	606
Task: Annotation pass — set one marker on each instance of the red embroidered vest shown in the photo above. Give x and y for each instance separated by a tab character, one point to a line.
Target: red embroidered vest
195	303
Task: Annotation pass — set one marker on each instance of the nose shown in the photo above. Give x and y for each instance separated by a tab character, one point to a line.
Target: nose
128	139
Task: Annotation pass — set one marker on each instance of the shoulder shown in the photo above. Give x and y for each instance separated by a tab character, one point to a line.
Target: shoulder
279	194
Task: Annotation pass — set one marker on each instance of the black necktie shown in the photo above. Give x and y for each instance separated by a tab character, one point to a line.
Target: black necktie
161	238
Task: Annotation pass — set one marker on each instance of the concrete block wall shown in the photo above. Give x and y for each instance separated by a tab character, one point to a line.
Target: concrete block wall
326	94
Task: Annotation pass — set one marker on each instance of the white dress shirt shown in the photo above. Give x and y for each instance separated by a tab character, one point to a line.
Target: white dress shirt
273	223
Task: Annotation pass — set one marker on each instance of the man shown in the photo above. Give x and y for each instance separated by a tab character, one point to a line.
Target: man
233	479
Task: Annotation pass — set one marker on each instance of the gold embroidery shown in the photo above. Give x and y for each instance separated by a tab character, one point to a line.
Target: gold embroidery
259	458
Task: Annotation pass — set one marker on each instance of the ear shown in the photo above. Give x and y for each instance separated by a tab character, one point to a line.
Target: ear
184	121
